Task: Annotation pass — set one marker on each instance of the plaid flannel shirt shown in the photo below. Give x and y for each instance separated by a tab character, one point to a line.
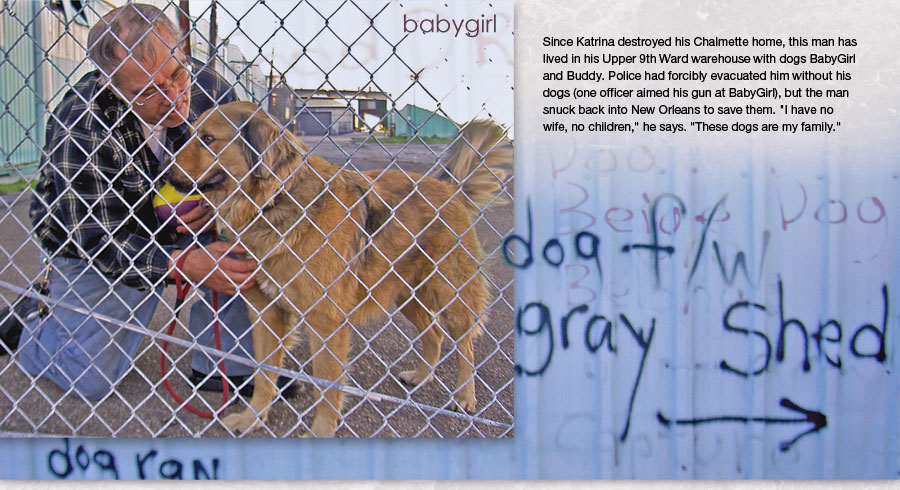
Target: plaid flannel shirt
97	179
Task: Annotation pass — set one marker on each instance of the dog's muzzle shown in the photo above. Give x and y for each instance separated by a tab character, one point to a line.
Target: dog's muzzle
212	182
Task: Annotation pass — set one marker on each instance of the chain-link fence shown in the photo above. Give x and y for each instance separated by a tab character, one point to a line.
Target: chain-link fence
367	197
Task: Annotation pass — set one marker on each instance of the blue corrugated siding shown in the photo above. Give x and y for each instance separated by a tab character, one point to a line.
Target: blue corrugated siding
20	133
415	121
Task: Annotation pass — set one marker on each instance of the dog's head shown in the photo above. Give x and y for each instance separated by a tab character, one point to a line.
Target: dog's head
234	145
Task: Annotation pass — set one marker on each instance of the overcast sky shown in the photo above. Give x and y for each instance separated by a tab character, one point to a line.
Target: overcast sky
469	76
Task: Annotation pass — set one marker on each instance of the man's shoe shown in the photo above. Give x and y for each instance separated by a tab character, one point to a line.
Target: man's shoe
23	310
214	383
205	382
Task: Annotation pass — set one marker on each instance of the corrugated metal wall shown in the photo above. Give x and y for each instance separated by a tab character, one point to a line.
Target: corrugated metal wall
687	307
43	55
20	87
415	121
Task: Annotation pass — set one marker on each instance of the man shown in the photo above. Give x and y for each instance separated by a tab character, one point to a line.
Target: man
109	255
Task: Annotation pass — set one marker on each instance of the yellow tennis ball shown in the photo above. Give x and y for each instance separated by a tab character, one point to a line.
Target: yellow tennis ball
168	200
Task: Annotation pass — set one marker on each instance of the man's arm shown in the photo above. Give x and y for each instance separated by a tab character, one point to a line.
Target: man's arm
95	198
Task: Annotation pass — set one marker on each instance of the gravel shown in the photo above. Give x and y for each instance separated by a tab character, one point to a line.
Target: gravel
140	406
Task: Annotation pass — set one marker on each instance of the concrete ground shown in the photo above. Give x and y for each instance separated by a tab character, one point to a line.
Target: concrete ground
141	407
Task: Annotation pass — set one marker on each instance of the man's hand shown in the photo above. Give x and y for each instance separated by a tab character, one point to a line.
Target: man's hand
196	220
211	267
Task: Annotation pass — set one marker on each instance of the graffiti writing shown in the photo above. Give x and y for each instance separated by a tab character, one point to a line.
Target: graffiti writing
596	330
79	461
867	342
770	333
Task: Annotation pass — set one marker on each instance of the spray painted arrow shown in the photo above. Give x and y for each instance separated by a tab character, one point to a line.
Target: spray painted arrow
818	420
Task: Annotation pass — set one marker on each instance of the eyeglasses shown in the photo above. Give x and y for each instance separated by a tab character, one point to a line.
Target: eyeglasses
179	79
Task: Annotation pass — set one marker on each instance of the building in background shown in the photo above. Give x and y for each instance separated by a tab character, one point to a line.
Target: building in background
414	121
319	111
44	57
245	75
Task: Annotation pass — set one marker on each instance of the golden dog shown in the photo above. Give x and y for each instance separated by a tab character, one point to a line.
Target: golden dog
338	247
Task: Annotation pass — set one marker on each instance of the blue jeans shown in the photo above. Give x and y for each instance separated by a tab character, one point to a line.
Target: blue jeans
90	356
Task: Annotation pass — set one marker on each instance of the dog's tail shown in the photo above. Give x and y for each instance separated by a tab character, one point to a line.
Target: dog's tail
480	162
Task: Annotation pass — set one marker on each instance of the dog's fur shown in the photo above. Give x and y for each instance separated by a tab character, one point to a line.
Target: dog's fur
338	247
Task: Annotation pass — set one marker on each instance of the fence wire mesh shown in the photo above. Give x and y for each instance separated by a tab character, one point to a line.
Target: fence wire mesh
363	247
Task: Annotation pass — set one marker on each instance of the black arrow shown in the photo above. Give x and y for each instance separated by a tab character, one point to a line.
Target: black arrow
818	420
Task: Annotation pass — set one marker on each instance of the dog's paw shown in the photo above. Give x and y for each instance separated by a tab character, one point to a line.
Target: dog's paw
415	377
313	435
242	422
464	404
322	428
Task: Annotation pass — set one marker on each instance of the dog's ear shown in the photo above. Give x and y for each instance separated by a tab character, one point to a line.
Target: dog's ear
264	145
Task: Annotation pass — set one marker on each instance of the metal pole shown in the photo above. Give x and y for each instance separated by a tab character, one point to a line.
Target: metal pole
184	20
213	43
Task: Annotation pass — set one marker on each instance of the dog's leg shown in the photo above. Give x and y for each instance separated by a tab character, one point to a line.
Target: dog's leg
465	375
268	330
464	327
431	343
329	350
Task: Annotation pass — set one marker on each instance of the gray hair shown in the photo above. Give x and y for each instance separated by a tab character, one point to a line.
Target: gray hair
128	28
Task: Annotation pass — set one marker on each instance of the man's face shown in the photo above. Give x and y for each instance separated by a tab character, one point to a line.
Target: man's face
158	89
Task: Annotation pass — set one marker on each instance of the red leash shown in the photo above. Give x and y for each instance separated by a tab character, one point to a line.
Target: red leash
182	290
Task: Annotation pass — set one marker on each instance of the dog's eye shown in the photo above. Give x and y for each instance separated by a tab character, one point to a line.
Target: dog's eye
207	139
